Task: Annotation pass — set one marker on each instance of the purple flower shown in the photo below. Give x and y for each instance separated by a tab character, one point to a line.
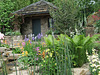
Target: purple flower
26	39
36	54
39	36
33	38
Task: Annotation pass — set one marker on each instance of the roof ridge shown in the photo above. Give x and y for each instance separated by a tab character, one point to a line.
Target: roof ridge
33	4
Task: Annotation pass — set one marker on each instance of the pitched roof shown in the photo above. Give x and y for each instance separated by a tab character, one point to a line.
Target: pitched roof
36	8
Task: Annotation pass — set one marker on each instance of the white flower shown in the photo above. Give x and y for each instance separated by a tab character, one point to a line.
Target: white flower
93	50
93	70
86	53
90	63
1	36
94	60
99	62
93	56
35	37
97	66
93	65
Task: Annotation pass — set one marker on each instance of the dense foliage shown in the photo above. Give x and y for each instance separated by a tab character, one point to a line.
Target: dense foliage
65	16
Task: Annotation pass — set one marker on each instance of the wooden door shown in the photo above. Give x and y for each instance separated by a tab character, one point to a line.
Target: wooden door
36	26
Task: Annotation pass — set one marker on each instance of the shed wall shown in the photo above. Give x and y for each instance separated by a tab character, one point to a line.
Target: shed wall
26	28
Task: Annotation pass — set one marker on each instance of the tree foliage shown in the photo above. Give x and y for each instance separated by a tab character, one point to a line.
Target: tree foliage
6	8
65	16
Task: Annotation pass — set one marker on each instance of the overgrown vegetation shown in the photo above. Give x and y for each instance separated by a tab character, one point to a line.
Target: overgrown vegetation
65	16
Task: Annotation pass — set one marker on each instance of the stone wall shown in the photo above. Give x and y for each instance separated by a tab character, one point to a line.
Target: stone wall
44	25
26	28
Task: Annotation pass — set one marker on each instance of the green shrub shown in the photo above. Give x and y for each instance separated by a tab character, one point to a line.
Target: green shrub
16	33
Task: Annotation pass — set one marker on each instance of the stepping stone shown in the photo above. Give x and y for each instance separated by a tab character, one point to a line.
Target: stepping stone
7	53
80	71
13	57
14	69
2	49
7	49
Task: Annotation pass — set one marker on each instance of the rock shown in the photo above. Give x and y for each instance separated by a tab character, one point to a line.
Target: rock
4	59
7	53
88	73
7	49
22	72
2	49
85	65
80	71
13	57
14	69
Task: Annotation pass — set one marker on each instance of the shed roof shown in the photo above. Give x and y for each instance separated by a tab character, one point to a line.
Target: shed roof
40	7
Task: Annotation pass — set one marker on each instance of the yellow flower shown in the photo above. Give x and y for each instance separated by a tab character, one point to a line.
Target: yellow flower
44	61
47	56
43	44
41	65
47	50
29	41
23	54
26	53
55	63
50	54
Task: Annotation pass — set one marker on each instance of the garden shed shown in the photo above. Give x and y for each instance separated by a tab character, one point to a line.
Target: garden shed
36	18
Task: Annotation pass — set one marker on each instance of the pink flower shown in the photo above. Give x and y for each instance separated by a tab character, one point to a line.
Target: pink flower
1	41
36	58
1	36
99	10
23	43
37	49
95	17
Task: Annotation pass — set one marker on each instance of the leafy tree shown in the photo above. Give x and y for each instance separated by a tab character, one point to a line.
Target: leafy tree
6	8
65	16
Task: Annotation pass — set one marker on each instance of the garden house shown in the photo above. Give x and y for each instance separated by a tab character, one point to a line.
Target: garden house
36	18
